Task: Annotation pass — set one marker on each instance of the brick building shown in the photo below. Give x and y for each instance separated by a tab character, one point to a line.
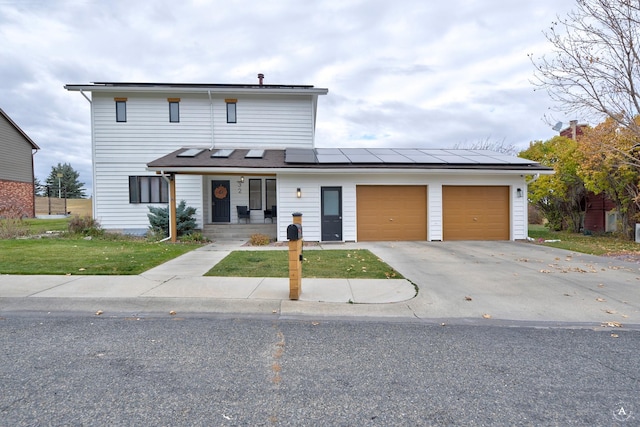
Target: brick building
600	213
17	195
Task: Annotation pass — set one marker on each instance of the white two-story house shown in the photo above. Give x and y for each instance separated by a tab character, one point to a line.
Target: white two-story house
246	154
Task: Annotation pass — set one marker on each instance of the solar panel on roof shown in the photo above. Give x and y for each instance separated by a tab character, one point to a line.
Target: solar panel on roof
333	151
191	152
354	151
223	153
394	158
381	151
332	158
300	155
363	158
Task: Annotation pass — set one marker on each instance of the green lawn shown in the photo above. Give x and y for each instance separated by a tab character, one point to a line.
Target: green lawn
350	264
39	226
78	256
578	242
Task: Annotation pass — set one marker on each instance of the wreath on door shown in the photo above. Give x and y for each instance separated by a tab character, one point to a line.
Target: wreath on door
220	192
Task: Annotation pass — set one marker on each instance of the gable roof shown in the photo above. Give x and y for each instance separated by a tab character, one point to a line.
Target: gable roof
190	160
17	128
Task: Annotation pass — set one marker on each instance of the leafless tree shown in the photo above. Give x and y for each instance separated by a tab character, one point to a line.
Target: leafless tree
488	144
594	69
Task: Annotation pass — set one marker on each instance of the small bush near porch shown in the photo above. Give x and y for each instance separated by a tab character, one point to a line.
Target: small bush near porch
338	264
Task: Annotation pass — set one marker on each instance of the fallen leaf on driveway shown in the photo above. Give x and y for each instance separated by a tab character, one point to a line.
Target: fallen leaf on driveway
173	313
610	311
614	335
600	299
98	313
468	298
486	316
601	285
545	271
612	324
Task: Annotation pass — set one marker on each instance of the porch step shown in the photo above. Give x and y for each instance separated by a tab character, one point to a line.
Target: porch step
238	231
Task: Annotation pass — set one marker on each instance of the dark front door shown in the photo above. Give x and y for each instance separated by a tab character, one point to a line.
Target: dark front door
220	202
331	213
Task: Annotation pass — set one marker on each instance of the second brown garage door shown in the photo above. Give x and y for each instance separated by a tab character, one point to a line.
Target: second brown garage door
391	212
475	213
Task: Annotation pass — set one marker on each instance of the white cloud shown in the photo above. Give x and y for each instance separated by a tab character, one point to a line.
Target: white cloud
402	73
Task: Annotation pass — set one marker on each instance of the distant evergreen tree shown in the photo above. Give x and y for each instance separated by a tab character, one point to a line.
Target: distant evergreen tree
69	184
38	188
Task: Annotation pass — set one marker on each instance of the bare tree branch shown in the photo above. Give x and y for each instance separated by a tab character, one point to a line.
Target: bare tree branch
594	69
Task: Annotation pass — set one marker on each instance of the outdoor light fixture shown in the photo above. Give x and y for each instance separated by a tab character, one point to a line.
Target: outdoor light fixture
299	192
242	179
519	192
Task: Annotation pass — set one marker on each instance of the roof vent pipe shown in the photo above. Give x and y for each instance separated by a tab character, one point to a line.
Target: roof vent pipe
260	78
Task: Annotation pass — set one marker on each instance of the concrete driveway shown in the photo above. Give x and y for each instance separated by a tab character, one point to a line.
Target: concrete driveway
515	280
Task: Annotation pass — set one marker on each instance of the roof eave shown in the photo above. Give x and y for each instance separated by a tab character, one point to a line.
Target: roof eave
273	90
345	171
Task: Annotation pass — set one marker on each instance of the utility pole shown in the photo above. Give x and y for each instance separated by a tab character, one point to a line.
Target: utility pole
59	186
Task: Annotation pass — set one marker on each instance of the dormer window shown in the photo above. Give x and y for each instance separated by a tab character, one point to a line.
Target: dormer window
231	110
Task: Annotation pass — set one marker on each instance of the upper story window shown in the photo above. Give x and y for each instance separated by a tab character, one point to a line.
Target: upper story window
231	110
174	110
121	109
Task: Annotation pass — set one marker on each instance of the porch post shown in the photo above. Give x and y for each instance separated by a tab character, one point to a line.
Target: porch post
173	224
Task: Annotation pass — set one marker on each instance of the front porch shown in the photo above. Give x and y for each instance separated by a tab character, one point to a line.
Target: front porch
238	231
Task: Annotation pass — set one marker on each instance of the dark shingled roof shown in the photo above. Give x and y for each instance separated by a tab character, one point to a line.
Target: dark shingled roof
345	158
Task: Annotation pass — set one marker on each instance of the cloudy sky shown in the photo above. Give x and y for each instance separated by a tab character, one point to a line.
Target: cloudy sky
401	73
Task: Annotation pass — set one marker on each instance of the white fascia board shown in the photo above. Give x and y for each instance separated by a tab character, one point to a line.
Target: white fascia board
384	171
204	89
313	171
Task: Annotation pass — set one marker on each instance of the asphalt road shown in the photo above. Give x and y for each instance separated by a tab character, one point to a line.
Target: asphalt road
215	371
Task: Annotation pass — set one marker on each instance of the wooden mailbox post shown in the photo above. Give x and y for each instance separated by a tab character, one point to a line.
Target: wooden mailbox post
294	234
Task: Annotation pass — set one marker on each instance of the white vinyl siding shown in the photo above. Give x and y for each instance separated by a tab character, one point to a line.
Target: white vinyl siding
113	209
269	122
122	149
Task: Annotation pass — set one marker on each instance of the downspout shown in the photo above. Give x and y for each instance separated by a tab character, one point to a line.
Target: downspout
211	119
33	181
534	179
93	158
85	96
166	178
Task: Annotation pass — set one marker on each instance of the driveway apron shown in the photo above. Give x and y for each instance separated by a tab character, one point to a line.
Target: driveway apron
515	280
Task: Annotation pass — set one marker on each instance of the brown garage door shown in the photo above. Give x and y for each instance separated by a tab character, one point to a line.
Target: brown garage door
475	213
391	212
